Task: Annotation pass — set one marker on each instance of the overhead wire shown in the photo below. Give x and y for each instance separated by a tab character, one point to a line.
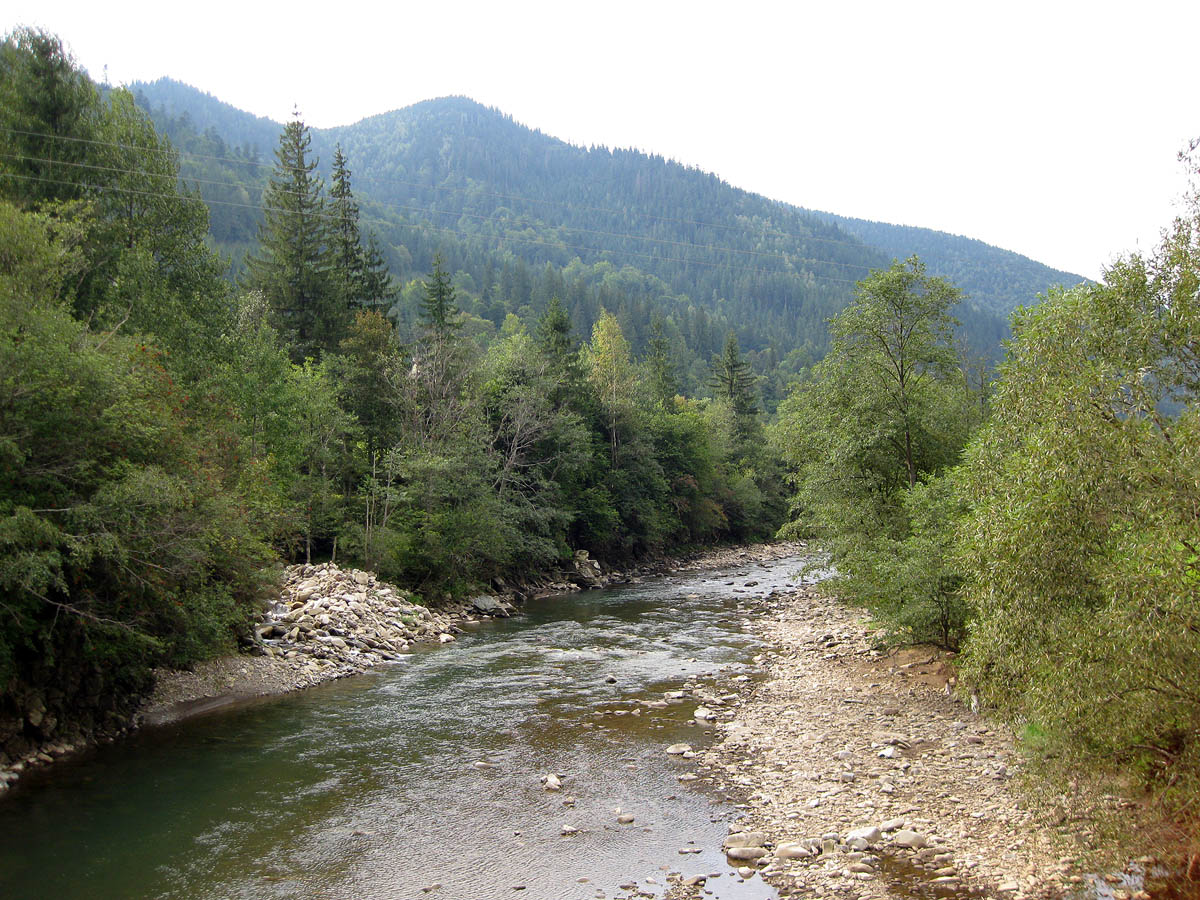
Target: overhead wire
445	188
418	226
711	248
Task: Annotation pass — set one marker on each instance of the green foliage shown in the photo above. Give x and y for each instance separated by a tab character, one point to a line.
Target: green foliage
888	408
109	180
294	267
439	311
49	110
914	581
115	532
611	374
361	271
732	380
1082	537
660	368
369	364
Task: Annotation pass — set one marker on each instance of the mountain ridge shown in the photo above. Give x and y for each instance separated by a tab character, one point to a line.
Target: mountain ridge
639	232
262	133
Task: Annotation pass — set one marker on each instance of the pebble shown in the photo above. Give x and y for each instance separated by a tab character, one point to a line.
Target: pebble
910	839
870	834
792	851
746	853
745	839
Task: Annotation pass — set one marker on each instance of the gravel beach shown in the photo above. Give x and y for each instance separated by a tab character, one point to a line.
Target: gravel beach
861	776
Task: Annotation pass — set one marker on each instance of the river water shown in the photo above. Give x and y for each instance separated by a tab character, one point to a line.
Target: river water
422	773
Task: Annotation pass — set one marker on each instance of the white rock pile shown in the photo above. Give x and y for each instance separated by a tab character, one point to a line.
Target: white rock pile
346	618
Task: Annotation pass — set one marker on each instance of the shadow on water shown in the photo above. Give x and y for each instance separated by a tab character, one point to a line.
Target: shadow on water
420	773
907	880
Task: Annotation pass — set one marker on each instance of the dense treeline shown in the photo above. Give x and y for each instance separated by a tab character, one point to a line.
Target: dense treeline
423	399
1045	524
508	207
166	436
998	280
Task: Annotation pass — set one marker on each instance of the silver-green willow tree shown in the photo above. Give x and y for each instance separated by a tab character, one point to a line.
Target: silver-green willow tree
1083	541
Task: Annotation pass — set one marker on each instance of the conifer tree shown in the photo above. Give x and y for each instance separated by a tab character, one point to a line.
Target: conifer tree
362	272
554	331
559	348
663	382
732	379
294	266
439	309
378	291
348	257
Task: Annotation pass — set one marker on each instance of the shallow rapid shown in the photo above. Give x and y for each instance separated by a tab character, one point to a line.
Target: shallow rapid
423	773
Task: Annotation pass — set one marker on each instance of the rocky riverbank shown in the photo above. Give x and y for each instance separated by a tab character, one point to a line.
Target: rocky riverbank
862	777
328	623
331	623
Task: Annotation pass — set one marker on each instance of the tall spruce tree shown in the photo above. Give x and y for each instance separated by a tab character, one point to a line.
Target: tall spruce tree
560	349
732	379
378	290
663	382
348	257
295	266
361	271
439	308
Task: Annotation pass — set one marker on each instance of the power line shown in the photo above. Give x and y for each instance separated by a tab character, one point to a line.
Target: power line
784	259
387	180
499	238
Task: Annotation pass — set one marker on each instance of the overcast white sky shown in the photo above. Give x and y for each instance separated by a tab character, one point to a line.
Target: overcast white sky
1046	128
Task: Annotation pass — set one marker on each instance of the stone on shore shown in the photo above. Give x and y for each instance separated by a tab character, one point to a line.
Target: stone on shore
912	840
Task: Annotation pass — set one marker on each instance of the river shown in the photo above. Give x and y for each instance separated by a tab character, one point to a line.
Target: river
422	779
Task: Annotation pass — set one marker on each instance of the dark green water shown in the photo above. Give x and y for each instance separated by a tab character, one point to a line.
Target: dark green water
368	788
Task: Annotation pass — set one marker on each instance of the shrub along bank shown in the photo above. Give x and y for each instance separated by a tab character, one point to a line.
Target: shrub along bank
168	439
1046	524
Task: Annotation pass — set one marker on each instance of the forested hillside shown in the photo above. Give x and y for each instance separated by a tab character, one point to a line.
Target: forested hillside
519	215
168	436
999	280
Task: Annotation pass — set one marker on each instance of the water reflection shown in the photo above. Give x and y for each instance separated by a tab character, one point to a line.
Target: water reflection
369	788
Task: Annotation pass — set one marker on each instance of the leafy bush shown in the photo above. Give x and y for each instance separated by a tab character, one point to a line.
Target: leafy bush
1082	538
